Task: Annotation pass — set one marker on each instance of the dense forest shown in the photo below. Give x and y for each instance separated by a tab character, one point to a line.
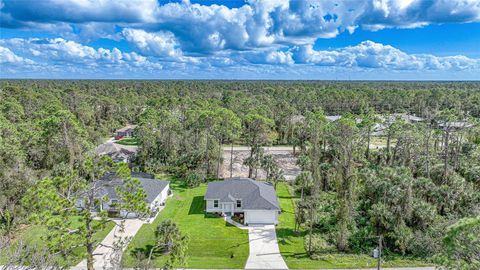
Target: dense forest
419	194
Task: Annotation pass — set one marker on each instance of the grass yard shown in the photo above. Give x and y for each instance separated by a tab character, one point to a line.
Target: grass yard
292	245
128	141
213	242
33	236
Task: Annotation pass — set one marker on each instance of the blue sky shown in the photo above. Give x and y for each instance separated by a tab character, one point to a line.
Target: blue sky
254	39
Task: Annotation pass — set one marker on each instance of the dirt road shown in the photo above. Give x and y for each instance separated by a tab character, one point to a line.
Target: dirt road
283	155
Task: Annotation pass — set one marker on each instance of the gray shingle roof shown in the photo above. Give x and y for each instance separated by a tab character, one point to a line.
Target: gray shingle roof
458	125
111	181
254	194
116	151
333	118
126	128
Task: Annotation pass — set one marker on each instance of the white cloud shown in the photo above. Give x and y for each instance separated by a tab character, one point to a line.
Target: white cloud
78	11
176	30
417	13
279	57
69	56
270	57
369	54
163	44
9	57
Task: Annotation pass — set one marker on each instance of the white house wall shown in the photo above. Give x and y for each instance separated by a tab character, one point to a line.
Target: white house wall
210	207
161	198
220	207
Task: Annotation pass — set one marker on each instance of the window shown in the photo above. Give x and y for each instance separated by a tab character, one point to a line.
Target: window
215	203
239	203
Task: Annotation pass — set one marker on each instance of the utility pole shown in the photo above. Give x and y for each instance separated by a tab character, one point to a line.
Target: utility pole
231	160
311	231
379	252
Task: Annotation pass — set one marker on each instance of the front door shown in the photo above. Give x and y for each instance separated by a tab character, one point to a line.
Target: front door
227	209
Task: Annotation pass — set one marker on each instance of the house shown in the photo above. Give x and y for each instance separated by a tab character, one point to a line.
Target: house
412	119
118	153
127	131
378	129
454	125
257	201
332	118
106	192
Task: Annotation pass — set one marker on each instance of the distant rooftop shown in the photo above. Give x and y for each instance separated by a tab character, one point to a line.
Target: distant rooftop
457	125
254	194
126	128
333	118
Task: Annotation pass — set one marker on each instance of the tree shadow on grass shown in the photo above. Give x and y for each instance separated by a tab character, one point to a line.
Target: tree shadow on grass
197	207
296	255
145	252
237	245
288	232
289	212
286	197
178	185
211	215
285	235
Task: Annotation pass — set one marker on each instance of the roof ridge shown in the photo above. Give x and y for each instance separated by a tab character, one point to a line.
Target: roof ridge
258	189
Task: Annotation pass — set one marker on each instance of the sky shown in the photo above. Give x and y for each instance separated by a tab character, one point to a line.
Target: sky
251	39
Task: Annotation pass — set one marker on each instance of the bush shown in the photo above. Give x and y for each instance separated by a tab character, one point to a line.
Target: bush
426	243
361	240
193	179
319	245
461	246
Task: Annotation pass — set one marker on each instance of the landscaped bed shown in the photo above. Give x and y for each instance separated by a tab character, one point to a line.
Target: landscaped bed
213	242
32	235
293	251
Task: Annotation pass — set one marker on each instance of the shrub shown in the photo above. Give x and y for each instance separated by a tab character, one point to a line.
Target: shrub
193	179
319	245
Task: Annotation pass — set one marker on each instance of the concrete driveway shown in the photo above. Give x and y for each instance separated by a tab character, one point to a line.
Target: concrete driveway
106	256
264	252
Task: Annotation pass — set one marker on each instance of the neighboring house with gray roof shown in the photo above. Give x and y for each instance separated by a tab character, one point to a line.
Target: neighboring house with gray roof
118	152
126	131
454	125
332	118
106	192
256	200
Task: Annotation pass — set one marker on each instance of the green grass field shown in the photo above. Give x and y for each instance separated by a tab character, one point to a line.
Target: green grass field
213	242
128	141
32	235
292	245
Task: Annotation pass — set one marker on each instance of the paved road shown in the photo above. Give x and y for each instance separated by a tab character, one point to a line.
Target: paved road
281	148
105	253
264	252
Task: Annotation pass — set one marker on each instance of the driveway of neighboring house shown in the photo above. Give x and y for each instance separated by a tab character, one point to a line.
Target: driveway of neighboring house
264	252
105	255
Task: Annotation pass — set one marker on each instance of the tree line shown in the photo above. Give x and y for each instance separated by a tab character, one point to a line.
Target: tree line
423	181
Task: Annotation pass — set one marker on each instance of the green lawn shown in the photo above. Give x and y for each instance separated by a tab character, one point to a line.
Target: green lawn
292	245
213	242
128	141
33	235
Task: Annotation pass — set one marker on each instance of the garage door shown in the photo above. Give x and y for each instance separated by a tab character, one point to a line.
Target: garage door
260	217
